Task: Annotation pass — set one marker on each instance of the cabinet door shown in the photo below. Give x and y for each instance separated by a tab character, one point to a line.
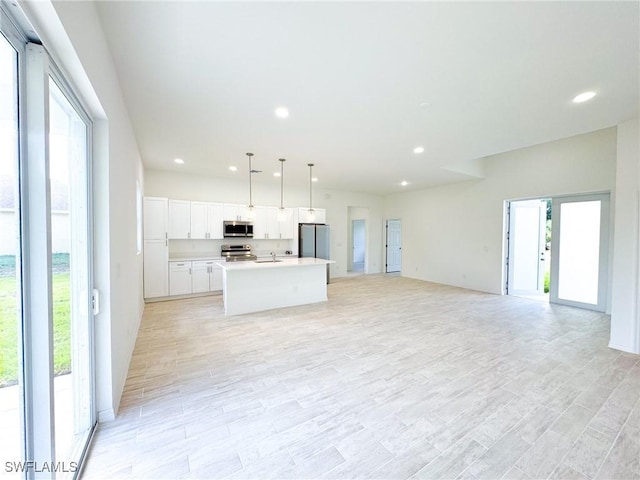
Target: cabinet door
179	278
200	277
216	278
321	215
199	218
286	226
304	216
214	220
243	213
156	277
179	219
273	226
265	223
155	218
230	211
260	228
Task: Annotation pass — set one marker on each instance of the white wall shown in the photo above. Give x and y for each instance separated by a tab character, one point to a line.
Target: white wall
72	34
8	234
625	320
182	186
60	232
454	234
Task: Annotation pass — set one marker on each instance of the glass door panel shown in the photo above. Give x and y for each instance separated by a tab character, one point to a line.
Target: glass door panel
72	315
11	345
580	251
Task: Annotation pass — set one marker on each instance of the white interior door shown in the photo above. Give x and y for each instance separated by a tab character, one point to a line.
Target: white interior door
527	228
394	245
579	251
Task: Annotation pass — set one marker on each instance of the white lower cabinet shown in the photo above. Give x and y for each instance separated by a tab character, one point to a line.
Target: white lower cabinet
180	278
207	276
200	277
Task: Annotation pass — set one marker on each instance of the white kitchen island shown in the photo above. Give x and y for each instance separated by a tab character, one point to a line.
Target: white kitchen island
251	286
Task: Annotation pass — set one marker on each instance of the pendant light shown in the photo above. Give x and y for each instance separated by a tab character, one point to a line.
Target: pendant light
282	214
311	216
251	211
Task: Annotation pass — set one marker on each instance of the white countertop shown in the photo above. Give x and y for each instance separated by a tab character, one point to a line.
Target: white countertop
281	263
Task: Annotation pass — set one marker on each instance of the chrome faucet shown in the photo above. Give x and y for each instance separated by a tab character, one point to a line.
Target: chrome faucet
273	256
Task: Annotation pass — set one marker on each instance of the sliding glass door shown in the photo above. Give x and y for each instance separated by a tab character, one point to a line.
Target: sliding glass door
11	342
46	318
71	285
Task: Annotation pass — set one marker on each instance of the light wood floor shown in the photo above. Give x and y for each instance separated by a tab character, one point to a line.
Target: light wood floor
392	378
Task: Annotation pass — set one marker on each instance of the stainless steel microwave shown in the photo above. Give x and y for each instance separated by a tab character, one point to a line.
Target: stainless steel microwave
237	229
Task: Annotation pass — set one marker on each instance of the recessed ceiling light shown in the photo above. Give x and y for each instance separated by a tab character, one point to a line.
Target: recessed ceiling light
179	161
276	174
233	168
282	112
418	150
314	179
583	97
424	105
404	183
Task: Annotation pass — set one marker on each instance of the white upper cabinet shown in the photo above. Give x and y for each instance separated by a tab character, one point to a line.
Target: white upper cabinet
233	211
214	220
319	215
265	223
286	226
206	220
179	219
199	220
155	218
268	225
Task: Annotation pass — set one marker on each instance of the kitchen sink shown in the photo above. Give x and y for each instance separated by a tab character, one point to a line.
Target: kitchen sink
268	261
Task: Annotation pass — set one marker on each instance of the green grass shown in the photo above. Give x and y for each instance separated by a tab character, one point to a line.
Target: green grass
546	282
9	327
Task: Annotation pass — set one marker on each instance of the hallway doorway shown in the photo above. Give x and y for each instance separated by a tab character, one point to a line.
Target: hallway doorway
358	247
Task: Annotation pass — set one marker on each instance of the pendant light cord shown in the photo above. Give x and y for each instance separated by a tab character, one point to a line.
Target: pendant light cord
250	173
310	186
282	160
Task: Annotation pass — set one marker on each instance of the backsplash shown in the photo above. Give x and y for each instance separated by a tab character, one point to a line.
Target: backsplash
208	247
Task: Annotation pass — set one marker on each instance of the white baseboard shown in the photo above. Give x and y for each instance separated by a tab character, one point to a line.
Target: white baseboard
106	416
624	348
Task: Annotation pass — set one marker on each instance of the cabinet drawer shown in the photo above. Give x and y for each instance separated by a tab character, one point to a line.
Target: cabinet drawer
179	266
204	263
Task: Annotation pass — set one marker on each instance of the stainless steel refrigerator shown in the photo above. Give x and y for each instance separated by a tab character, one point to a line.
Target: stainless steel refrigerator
313	241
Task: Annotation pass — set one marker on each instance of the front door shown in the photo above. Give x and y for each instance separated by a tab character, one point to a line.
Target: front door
527	228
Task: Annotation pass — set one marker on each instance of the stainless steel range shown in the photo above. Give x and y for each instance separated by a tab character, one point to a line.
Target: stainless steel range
237	253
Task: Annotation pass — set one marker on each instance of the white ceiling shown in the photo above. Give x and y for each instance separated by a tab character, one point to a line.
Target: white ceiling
202	79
